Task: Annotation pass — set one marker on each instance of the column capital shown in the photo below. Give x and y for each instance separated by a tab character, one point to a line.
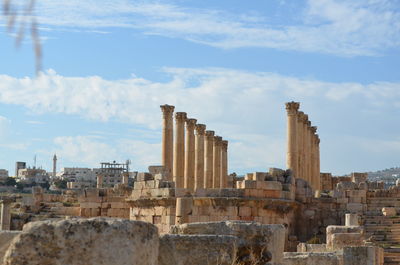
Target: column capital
292	107
209	135
190	123
225	145
308	123
217	140
180	116
301	116
200	129
167	110
313	129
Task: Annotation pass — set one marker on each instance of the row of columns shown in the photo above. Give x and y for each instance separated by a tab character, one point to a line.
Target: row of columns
194	158
303	154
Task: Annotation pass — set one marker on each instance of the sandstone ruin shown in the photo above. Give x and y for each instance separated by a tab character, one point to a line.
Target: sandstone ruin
190	210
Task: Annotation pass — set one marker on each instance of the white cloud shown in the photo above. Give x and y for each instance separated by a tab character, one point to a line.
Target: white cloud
340	27
245	108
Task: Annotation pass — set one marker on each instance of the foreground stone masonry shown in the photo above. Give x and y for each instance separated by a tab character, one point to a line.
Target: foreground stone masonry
85	242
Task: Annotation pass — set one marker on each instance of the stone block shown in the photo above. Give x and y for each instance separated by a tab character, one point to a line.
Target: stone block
304	247
355	207
340	240
389	211
311	258
249	176
365	255
105	241
6	238
259	176
260	238
273	185
144	176
197	249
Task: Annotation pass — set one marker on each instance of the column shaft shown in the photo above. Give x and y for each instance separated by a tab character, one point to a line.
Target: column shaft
224	164
217	162
209	159
167	139
318	161
292	152
5	215
189	154
300	147
199	157
179	149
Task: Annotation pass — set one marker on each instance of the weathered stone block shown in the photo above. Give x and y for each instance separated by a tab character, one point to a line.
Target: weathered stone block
144	176
389	211
197	249
96	241
365	255
301	258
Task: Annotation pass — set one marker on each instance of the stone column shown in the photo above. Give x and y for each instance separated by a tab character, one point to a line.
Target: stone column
217	162
318	161
125	178
307	149
100	179
5	215
189	154
313	158
351	219
300	147
208	159
167	139
224	164
291	155
199	157
179	149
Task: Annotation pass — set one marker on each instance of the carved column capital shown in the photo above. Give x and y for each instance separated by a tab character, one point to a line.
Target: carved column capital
292	107
200	129
190	123
225	145
218	140
167	110
180	116
209	135
313	129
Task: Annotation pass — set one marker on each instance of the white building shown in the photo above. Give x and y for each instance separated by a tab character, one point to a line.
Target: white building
79	177
30	175
3	173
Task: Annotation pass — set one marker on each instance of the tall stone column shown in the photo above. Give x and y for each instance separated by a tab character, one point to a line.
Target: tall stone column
291	155
308	151
5	215
100	181
224	164
304	147
318	161
167	139
313	157
217	162
300	147
179	149
208	159
199	157
189	154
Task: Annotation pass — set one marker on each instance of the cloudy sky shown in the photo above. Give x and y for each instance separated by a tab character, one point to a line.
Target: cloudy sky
108	65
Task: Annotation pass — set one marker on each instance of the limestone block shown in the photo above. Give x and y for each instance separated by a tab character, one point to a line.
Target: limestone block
273	185
276	172
339	240
318	258
355	207
255	236
5	240
249	184
144	176
346	185
259	176
352	219
249	176
356	193
197	249
304	247
389	211
96	241
366	255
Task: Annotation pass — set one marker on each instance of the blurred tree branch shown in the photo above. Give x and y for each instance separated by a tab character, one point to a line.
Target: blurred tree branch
18	18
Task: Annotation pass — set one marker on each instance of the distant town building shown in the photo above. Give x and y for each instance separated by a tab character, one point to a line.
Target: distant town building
33	175
18	166
3	174
112	173
79	177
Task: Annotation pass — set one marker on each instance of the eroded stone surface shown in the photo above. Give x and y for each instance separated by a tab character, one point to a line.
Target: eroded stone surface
95	241
309	258
197	249
6	238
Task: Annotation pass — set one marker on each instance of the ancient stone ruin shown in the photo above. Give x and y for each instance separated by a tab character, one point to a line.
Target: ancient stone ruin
190	210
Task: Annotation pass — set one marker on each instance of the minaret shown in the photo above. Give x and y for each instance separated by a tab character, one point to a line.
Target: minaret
54	165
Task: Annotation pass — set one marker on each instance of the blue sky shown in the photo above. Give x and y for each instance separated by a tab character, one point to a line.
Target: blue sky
108	65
